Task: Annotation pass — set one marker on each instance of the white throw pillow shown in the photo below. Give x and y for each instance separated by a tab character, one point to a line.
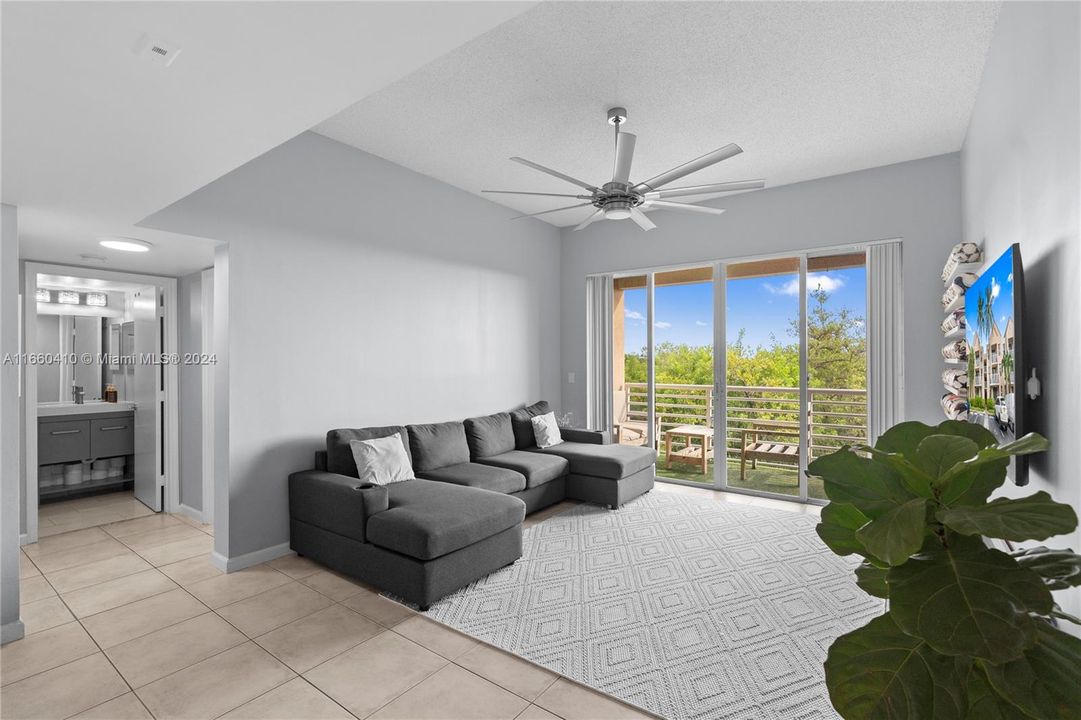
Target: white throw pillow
381	461
546	430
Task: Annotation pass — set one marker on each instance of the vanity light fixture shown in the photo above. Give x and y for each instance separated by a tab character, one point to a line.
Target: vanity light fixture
124	244
43	295
96	299
67	297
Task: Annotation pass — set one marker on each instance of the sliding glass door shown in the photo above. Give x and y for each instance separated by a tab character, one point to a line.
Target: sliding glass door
794	369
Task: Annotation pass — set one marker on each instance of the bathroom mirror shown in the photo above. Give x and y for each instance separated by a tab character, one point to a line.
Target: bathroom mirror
72	337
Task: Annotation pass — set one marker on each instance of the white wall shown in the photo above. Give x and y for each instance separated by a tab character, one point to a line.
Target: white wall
361	293
1020	165
189	326
916	201
11	627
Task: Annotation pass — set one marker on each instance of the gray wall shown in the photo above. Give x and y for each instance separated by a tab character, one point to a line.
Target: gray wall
189	289
361	293
1020	165
10	491
918	201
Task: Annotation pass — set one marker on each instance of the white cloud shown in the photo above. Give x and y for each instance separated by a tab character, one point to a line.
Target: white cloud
699	323
662	325
815	281
996	288
633	315
1009	278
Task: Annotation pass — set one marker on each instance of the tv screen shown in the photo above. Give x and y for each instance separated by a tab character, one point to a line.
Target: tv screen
996	372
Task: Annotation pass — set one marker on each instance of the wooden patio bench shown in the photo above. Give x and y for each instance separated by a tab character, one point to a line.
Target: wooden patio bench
771	450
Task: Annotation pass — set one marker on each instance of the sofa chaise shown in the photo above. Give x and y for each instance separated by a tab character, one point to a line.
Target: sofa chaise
461	517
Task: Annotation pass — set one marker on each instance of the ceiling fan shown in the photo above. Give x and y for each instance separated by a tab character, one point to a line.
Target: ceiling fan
620	199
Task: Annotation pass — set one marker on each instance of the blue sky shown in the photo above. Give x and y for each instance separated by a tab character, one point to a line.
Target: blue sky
761	306
1000	279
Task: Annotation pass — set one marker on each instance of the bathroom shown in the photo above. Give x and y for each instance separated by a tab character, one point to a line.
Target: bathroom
98	408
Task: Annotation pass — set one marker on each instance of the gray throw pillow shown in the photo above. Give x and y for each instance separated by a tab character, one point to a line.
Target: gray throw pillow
437	445
489	435
522	423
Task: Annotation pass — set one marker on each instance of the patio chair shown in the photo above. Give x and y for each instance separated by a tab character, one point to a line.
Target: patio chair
778	448
630	430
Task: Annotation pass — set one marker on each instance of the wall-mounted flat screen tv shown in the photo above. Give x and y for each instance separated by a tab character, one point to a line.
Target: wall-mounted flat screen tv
996	368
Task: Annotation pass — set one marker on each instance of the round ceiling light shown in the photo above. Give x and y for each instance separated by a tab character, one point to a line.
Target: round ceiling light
124	244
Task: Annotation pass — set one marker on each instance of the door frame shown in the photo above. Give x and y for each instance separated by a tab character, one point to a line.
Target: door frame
29	386
720	358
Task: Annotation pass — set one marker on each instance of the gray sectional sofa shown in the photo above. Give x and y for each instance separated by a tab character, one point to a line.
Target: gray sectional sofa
461	517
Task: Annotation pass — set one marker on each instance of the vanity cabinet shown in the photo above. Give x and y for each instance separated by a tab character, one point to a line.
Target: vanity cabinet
79	438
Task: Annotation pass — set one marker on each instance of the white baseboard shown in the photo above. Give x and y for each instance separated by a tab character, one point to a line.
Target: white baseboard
192	513
232	564
13	630
22	539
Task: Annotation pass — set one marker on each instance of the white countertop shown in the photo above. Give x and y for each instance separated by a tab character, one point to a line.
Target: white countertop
87	408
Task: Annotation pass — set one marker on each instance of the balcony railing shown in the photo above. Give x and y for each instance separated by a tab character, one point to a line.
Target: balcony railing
837	416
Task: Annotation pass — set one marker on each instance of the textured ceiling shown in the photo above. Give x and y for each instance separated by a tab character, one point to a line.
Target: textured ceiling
807	89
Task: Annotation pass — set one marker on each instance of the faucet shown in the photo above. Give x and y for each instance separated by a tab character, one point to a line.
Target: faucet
78	394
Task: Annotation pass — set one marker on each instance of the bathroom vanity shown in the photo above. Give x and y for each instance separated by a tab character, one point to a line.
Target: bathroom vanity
84	449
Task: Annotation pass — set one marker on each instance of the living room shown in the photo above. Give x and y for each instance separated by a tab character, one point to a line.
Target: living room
616	427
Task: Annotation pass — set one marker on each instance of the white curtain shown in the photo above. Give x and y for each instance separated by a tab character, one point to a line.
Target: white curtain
599	352
885	338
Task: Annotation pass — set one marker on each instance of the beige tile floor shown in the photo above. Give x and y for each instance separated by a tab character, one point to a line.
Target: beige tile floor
130	620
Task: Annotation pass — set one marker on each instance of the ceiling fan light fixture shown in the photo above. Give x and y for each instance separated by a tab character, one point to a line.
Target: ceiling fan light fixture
617	212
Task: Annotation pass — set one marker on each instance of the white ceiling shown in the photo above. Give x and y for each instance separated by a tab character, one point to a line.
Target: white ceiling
807	89
97	137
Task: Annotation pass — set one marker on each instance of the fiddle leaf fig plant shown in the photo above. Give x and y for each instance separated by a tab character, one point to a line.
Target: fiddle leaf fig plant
971	631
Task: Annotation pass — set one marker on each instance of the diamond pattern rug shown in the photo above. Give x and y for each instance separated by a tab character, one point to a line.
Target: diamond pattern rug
688	608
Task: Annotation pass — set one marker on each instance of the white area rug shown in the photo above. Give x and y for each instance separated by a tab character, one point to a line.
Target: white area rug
685	607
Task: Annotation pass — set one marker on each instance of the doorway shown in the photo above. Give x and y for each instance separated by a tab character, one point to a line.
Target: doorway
789	386
100	397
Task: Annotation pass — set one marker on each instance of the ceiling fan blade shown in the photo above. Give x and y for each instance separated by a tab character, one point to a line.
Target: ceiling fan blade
641	220
665	205
545	212
624	156
517	192
689	167
591	219
555	173
706	189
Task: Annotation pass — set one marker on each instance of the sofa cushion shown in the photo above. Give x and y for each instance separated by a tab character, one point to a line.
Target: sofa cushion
340	455
437	445
538	468
489	435
522	422
427	519
497	479
606	461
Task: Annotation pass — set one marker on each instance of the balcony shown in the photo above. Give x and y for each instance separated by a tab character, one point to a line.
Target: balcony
838	416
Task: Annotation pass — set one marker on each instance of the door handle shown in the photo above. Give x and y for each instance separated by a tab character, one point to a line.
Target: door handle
113	427
64	432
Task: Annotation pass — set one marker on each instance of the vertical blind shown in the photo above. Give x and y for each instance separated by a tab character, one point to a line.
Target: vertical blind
599	352
885	338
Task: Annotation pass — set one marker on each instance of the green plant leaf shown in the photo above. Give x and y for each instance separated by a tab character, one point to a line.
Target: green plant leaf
1057	612
916	481
1046	681
1059	569
872	487
897	534
986	704
1031	443
938	453
904	438
1036	517
879	673
975	484
838	526
976	433
872	580
968	599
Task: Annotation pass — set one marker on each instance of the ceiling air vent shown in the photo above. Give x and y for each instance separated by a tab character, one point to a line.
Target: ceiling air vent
157	50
